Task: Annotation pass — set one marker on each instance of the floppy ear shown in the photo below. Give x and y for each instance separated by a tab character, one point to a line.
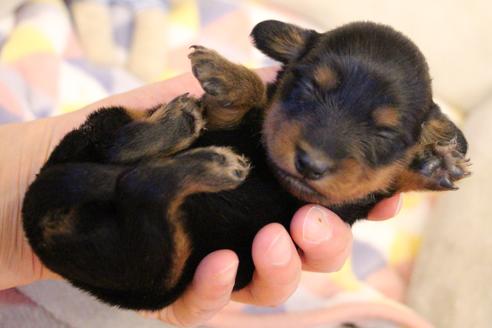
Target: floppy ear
281	41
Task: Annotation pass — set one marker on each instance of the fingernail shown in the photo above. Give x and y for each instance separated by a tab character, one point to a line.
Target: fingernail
400	203
227	275
316	227
280	251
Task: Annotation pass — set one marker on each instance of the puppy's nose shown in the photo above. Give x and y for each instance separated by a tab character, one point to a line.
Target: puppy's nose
310	167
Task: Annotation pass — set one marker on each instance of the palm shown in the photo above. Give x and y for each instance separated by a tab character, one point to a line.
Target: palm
27	146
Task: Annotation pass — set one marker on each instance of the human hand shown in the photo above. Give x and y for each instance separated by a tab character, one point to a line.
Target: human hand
324	240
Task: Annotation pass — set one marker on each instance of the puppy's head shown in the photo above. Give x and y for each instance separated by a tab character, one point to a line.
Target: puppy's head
340	126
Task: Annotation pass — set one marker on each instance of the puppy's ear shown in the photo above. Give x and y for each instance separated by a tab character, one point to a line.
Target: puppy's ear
281	41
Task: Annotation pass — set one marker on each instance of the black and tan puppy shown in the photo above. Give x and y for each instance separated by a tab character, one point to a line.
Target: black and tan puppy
128	204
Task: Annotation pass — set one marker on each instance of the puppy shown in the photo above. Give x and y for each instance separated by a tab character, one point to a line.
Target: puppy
129	203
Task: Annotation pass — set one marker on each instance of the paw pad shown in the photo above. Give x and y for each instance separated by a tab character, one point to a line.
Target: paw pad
445	165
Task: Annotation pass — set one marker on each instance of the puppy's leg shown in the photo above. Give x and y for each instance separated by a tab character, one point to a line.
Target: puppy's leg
207	169
51	207
84	143
167	182
118	135
440	157
167	130
230	89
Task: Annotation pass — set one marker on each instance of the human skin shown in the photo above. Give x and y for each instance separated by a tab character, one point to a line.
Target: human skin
323	239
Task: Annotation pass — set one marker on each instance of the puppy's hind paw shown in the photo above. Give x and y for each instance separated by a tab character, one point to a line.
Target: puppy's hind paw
217	168
233	166
182	106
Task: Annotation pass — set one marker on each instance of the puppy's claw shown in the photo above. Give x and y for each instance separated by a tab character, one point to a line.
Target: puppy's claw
196	46
445	183
429	167
456	172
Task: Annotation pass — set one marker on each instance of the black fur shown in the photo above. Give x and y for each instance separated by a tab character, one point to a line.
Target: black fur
104	208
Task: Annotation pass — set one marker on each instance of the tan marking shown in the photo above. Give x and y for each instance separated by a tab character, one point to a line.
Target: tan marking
290	42
183	144
248	91
436	130
161	112
281	136
325	77
181	243
354	180
386	116
55	224
411	181
136	114
224	118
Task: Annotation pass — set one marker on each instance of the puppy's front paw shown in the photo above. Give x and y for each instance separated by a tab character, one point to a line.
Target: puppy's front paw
443	164
214	73
226	84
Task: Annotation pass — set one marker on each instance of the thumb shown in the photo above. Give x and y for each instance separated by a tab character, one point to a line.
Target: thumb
209	292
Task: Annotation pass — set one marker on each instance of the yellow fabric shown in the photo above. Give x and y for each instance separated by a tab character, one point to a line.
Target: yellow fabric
24	41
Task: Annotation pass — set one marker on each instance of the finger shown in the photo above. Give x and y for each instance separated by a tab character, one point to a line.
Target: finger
278	268
387	208
209	292
323	238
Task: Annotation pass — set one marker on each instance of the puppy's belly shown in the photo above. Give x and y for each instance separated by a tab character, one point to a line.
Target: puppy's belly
231	219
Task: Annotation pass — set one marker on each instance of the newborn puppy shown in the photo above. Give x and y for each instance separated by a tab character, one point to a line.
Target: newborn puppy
129	203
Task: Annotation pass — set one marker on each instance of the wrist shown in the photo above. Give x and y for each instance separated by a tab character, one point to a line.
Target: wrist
25	147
